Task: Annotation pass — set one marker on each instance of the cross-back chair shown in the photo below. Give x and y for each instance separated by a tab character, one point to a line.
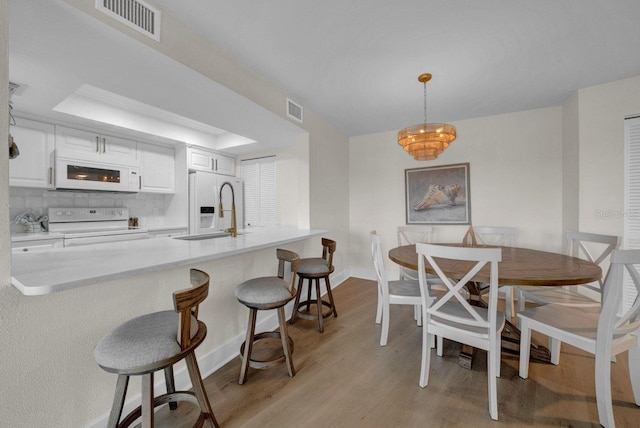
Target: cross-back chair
453	317
604	333
400	292
498	236
589	246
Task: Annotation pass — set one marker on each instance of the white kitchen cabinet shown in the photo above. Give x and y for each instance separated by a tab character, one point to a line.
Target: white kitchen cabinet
204	160
169	232
224	164
34	166
92	146
199	160
157	168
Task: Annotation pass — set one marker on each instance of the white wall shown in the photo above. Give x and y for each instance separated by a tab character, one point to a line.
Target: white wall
516	180
602	110
570	163
5	262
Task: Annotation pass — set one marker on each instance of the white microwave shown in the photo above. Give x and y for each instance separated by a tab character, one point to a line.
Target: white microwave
74	174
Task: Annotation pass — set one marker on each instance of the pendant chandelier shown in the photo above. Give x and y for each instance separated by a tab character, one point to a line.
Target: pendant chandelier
428	140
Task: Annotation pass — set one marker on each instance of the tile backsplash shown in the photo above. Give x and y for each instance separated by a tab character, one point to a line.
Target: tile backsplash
148	207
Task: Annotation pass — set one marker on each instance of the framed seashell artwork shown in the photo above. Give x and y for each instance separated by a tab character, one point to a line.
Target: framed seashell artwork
438	195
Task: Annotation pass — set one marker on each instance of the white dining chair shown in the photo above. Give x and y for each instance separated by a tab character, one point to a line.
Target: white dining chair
411	235
504	237
453	317
400	292
589	246
604	334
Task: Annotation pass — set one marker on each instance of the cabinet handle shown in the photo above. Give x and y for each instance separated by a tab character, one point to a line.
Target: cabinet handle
50	175
140	183
216	162
97	144
104	145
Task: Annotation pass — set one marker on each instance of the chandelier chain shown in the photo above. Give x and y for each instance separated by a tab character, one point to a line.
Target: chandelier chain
425	102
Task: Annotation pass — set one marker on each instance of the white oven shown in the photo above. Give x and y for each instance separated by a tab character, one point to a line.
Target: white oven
86	175
84	226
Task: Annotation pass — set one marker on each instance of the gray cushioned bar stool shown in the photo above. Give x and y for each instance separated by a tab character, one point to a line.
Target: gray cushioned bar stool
313	269
264	293
154	342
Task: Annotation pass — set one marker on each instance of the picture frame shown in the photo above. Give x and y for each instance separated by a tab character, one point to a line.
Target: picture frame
438	194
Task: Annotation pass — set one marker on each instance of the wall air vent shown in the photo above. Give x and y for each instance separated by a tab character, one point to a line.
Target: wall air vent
16	88
294	111
134	13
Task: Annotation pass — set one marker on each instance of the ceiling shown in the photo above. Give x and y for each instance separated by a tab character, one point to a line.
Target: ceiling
78	71
354	63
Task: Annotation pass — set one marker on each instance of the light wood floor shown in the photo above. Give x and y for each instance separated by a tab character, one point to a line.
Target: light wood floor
345	379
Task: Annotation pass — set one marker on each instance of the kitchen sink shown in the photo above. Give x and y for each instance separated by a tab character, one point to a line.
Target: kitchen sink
202	236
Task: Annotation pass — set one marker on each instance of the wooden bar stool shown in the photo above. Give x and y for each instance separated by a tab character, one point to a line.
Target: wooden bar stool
264	293
154	342
313	269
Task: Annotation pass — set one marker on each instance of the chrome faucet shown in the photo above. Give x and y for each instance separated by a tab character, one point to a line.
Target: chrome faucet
233	230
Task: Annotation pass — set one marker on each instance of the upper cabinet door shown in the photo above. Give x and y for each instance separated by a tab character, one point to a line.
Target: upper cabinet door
224	165
199	160
34	166
157	168
120	151
92	146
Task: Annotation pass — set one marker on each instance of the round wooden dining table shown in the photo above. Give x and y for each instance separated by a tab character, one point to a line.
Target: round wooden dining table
519	266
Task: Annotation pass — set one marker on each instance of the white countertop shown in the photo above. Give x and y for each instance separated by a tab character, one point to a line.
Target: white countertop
61	269
35	236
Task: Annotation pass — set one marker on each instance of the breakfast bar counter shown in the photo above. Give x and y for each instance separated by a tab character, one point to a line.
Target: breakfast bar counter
58	269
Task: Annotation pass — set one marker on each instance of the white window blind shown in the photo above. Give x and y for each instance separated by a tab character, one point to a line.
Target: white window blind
632	198
259	191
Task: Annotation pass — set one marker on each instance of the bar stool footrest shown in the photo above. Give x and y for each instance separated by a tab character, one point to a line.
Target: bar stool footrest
264	364
164	399
314	316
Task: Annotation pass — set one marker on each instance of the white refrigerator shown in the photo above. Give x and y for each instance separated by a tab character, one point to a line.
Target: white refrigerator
204	188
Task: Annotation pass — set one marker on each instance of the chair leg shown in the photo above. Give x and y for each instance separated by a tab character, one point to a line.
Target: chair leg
417	314
510	309
296	302
309	294
603	386
147	400
439	346
199	390
492	356
379	308
426	356
248	345
319	306
284	335
634	371
327	285
554	350
171	385
384	334
498	350
118	401
525	350
521	301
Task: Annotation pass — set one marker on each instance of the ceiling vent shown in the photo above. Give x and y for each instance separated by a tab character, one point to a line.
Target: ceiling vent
134	13
294	111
